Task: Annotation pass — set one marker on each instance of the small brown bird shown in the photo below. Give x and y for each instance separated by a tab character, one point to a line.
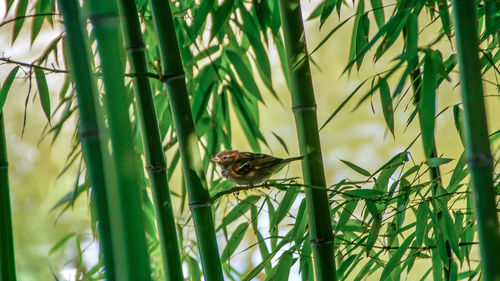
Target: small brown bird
247	168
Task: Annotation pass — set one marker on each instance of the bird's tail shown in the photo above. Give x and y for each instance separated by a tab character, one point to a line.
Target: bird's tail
293	159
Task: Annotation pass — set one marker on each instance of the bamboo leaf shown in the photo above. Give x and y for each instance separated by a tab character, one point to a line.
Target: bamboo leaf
444	15
362	37
194	269
346	214
386	101
282	142
364	193
285	205
221	16
262	59
451	232
458	117
244	73
353	50
21	7
356	168
378	12
239	210
234	241
61	243
396	258
7	83
284	266
435	162
201	15
373	235
43	91
326	10
428	103
421	225
342	104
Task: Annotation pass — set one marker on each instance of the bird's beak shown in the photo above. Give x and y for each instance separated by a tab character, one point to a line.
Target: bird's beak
215	159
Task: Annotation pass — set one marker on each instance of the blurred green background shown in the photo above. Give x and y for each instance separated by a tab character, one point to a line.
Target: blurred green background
358	136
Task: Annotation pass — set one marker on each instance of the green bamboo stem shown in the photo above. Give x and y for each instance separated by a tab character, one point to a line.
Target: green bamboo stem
129	246
7	259
479	159
86	93
151	138
304	108
199	199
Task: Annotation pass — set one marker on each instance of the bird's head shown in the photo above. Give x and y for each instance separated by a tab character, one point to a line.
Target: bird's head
225	157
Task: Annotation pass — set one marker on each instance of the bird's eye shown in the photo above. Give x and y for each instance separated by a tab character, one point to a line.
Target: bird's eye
224	156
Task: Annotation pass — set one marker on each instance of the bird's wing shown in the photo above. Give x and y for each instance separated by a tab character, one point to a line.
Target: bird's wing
255	161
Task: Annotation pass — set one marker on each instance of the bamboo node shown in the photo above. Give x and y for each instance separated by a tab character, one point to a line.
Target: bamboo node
320	242
479	159
195	205
135	49
89	134
303	107
4	165
173	76
156	168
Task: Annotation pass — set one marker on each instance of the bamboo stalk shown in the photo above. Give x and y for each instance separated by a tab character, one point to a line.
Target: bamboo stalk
479	159
121	169
86	93
151	138
199	199
7	258
304	108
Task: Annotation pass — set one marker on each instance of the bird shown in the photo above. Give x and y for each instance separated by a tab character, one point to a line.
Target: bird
248	168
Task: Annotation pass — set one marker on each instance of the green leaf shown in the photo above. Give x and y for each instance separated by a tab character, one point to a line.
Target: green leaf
239	210
362	37
396	258
421	225
43	91
356	168
394	20
284	266
258	269
20	13
354	51
428	103
386	101
345	265
444	15
262	59
201	14
7	83
437	266
41	7
234	241
194	269
327	9
364	193
374	231
221	16
435	162
378	12
346	214
458	116
450	230
61	243
244	73
282	142
285	205
342	104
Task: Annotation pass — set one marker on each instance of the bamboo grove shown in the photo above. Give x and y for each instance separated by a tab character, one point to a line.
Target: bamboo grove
157	88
